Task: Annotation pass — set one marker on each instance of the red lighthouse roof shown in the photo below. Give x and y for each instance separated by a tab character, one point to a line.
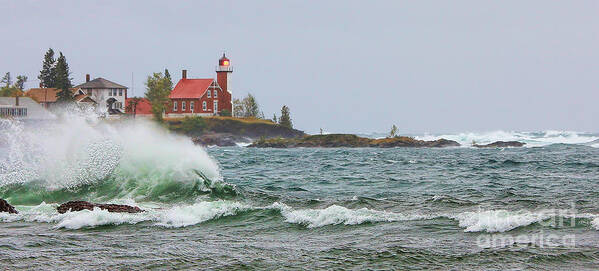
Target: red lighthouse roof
224	61
190	88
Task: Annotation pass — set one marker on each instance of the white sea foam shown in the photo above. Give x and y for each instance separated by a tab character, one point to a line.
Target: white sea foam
595	223
172	217
532	139
498	220
181	216
79	149
334	215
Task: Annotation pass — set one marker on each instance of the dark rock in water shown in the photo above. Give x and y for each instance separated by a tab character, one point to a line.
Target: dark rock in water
5	207
74	206
500	144
351	141
219	139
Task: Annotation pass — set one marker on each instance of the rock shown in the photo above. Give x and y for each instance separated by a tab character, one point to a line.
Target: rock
350	141
219	139
5	207
74	206
500	144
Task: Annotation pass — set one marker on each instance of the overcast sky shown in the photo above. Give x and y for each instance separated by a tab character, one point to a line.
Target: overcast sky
344	66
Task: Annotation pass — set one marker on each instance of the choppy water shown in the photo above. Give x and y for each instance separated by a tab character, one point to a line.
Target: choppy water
442	209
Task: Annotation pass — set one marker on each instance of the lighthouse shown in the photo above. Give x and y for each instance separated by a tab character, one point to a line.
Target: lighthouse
223	73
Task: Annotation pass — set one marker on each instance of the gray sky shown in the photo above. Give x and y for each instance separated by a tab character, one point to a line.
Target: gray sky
345	66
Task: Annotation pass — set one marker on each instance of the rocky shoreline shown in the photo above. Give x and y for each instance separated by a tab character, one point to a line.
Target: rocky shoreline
350	141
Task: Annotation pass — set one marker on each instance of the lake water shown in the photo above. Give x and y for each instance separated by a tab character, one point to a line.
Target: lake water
444	209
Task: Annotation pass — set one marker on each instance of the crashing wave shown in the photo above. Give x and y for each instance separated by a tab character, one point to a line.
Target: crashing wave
80	157
335	215
498	220
532	139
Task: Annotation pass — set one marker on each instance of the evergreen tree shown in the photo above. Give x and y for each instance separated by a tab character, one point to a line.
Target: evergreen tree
169	81
7	79
63	82
274	118
285	119
393	132
48	73
157	92
20	84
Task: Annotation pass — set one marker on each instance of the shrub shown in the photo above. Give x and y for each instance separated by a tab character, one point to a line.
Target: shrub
193	125
225	113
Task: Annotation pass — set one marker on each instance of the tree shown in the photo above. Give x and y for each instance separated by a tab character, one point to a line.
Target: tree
285	119
274	118
48	73
157	92
393	132
20	84
250	107
62	80
167	76
7	80
132	105
238	110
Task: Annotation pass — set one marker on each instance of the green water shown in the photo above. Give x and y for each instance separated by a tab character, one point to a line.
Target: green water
442	209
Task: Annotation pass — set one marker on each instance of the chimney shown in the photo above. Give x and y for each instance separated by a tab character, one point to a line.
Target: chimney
87	78
184	74
17	100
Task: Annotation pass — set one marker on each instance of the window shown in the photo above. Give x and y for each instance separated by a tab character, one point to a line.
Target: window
191	106
215	94
89	91
183	105
175	106
204	105
120	92
215	107
208	94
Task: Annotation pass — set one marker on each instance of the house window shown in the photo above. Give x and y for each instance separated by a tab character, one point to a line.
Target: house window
175	106
89	91
192	106
183	106
215	94
215	106
204	105
120	92
209	94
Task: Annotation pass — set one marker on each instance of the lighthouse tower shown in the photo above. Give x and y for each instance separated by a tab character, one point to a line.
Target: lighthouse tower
223	78
223	73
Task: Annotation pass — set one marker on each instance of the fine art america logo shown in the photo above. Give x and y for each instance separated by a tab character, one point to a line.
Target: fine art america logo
497	225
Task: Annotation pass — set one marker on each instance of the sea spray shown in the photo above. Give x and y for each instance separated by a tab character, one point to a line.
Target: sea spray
82	157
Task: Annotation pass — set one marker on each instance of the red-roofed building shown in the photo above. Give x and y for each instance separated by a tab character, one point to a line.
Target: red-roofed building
203	97
143	108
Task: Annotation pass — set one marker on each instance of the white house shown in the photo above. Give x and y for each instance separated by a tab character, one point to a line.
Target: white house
23	108
110	96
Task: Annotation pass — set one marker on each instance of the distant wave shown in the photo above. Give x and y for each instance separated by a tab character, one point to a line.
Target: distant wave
335	215
532	139
178	216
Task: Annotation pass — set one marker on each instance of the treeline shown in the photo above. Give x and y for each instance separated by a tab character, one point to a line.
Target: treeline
10	88
54	74
248	108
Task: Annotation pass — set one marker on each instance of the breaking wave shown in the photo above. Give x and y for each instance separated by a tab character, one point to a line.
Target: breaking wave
334	215
532	139
81	157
